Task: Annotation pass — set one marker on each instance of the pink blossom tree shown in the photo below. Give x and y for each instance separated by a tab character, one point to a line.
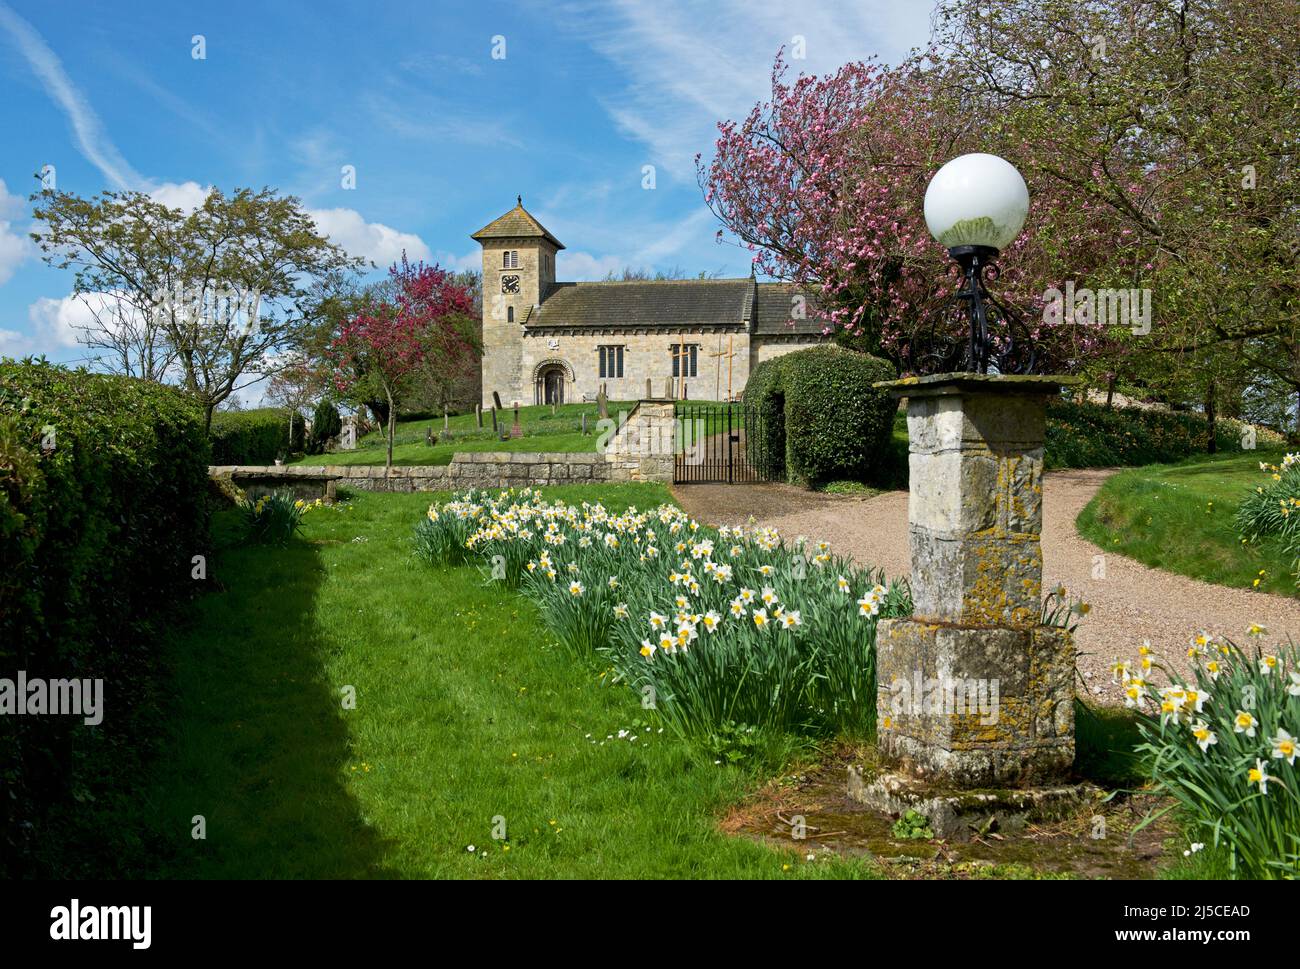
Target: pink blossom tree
824	184
421	315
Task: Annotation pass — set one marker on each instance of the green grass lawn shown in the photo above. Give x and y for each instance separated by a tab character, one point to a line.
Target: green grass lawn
440	454
1180	518
465	713
543	431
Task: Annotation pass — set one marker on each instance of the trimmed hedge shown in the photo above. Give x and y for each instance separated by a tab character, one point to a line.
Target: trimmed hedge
103	504
1086	435
835	424
255	436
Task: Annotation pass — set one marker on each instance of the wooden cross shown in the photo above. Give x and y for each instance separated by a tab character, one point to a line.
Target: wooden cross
717	384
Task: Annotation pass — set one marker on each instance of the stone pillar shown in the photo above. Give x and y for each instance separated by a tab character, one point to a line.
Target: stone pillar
973	691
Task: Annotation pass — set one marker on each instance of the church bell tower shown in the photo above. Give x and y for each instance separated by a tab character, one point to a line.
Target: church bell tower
518	271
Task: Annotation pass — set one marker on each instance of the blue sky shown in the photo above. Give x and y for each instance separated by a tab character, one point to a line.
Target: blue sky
441	134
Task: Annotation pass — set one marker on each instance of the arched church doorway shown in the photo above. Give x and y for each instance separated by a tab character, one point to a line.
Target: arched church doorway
550	384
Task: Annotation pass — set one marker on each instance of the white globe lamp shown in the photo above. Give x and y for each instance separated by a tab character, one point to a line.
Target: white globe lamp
976	200
976	205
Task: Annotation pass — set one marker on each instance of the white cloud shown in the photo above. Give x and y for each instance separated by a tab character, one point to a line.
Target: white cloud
55	321
469	262
186	196
691	64
584	266
15	247
379	243
14	344
91	138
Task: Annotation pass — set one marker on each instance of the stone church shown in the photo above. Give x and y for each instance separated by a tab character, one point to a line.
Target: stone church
550	342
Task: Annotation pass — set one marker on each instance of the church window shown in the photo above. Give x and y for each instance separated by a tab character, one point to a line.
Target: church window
611	361
510	314
510	259
685	359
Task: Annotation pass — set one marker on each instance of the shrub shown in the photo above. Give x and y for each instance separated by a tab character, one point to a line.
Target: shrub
325	425
103	504
255	436
722	629
1272	509
1086	435
1224	749
836	425
764	399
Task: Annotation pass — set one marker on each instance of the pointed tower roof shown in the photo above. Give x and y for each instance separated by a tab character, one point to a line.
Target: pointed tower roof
516	224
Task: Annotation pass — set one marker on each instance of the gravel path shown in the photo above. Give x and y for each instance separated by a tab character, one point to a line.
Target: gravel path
1130	604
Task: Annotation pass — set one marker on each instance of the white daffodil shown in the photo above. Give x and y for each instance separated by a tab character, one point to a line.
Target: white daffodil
1135	693
1245	723
1284	747
1259	775
1205	737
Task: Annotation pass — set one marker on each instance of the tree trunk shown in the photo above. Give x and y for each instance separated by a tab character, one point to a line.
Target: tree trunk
1212	446
392	417
1110	391
208	408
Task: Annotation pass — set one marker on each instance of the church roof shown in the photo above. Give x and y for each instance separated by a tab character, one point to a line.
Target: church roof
776	310
518	223
764	308
662	303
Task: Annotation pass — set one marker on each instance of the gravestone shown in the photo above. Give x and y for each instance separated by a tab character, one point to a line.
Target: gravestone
446	419
584	423
478	415
494	421
348	436
516	429
973	691
496	400
602	404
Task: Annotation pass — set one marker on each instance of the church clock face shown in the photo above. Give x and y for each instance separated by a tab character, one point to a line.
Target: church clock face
509	284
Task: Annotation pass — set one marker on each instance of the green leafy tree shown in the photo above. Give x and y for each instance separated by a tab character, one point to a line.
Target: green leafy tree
228	289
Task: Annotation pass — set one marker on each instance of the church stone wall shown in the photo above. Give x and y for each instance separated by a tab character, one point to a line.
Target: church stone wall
644	355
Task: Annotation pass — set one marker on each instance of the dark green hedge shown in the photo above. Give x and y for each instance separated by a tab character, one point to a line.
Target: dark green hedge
325	424
1085	435
255	436
103	484
836	425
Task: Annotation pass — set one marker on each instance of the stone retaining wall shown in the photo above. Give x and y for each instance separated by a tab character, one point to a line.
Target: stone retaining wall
639	449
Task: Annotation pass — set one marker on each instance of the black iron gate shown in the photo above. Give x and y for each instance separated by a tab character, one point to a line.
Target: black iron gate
727	444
